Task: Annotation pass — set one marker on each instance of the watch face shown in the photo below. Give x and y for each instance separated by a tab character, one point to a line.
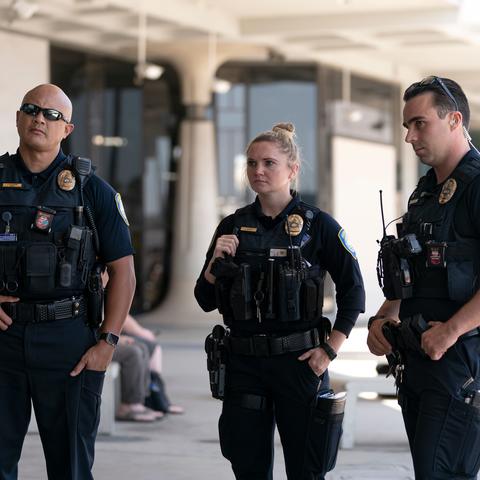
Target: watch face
109	337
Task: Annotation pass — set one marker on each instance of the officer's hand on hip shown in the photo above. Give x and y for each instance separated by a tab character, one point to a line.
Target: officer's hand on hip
96	358
226	245
438	339
376	341
5	320
317	360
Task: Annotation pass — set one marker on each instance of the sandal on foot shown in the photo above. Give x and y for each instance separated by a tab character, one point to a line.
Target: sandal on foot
175	409
132	416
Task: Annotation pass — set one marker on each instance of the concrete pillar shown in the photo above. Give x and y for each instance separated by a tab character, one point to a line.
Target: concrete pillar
25	63
196	213
195	217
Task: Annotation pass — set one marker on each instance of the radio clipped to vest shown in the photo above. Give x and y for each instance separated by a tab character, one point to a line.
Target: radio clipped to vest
394	272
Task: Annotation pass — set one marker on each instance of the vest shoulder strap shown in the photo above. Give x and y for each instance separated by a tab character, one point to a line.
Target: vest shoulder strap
466	172
248	210
8	169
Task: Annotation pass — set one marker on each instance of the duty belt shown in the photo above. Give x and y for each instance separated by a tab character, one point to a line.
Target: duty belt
22	312
471	333
266	345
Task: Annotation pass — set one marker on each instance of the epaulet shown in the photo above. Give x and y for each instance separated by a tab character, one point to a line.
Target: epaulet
467	171
305	208
244	210
4	158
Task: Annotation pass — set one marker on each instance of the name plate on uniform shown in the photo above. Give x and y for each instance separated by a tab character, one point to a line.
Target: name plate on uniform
248	229
278	252
8	237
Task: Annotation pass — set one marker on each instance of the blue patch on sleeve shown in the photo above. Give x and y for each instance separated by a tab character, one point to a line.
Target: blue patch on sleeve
342	235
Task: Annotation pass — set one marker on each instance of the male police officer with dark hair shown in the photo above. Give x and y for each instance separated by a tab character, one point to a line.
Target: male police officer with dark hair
59	225
264	272
431	316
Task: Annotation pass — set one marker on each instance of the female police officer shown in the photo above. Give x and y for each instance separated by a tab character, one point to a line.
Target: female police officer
264	271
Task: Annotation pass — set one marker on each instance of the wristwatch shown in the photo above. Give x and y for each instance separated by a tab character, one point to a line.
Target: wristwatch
331	353
109	337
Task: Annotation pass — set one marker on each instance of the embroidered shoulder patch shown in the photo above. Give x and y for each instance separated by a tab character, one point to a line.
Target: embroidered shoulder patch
120	208
342	236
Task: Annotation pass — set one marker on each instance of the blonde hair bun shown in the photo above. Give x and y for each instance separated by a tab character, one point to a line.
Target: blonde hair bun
285	128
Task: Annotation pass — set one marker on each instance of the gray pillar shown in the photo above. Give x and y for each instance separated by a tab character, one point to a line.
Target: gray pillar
195	217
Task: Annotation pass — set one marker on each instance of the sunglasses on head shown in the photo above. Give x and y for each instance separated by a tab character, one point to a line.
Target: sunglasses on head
48	113
434	80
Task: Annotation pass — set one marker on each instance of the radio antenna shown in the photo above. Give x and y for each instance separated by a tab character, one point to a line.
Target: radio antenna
383	217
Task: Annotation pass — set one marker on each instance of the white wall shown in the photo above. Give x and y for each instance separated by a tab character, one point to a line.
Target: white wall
25	63
360	170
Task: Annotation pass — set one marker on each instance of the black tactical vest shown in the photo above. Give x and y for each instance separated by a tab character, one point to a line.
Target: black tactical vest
46	248
449	264
268	284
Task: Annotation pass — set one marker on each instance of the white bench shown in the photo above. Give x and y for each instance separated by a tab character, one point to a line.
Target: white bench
380	384
108	405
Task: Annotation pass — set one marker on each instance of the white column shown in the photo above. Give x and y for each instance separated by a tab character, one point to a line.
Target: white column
25	64
196	212
195	217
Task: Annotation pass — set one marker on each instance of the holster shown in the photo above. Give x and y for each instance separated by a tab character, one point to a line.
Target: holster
408	335
216	350
95	296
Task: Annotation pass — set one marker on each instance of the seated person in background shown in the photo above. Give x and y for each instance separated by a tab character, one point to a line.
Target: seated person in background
134	359
156	397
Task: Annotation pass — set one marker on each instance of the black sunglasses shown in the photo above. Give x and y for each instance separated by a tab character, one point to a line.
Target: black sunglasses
48	113
432	80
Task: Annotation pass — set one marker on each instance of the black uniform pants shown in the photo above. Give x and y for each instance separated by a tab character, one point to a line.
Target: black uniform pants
443	431
35	362
246	426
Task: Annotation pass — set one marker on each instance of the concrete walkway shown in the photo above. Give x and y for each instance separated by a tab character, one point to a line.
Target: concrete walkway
185	447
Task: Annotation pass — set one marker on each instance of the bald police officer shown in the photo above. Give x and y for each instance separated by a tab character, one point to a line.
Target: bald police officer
59	225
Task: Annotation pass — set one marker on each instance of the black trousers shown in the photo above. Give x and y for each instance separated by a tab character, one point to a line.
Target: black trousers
35	362
443	430
246	427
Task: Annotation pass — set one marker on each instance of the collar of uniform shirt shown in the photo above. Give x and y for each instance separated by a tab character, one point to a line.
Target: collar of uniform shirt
28	175
269	222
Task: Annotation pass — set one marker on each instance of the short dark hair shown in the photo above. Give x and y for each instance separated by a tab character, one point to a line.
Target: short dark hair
443	90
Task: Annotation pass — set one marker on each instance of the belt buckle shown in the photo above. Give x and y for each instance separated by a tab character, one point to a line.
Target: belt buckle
261	347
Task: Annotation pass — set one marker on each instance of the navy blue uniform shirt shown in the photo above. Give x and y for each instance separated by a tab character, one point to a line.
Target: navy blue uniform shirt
325	249
467	224
113	232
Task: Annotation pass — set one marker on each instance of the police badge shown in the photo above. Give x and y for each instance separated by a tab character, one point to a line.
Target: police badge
294	225
66	180
447	192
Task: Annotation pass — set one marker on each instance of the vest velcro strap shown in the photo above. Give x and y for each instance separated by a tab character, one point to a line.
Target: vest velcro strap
250	401
268	345
21	312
